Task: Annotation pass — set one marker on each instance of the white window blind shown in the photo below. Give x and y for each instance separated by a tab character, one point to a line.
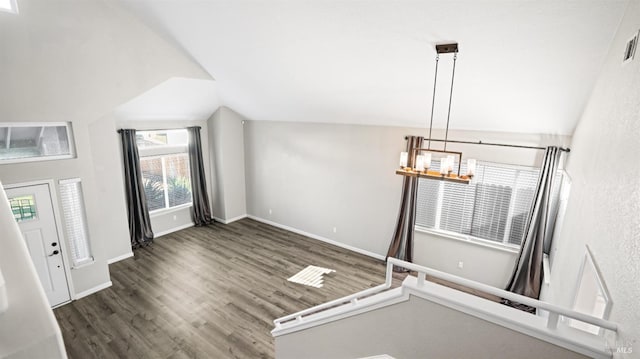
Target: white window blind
494	206
75	223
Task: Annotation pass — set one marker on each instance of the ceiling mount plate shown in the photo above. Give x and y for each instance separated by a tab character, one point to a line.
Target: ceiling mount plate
447	48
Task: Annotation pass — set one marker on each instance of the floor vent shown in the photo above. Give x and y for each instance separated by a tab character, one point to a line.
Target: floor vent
311	276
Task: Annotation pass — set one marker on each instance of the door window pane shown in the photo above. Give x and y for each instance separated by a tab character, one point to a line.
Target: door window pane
23	208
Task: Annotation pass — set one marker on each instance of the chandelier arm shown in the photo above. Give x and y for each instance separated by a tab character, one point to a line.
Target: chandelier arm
453	75
433	100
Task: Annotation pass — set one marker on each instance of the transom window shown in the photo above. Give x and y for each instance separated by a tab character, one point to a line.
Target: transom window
494	206
164	163
9	6
26	142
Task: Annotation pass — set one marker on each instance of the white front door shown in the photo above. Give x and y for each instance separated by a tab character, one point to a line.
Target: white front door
33	209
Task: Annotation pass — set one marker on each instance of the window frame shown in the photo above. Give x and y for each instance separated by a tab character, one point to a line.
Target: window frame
504	244
161	152
84	246
13	7
70	137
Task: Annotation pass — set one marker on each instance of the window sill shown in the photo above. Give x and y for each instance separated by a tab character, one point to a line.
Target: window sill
84	263
470	240
160	212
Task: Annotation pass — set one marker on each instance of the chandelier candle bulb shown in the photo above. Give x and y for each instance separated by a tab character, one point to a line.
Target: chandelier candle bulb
419	163
450	162
471	167
444	166
404	157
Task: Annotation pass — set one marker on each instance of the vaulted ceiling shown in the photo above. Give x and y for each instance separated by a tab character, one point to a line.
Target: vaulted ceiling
523	66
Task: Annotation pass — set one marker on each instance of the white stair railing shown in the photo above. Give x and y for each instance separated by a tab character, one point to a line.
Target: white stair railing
353	299
299	318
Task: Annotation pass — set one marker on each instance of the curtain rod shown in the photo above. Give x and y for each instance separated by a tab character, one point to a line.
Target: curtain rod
158	129
494	144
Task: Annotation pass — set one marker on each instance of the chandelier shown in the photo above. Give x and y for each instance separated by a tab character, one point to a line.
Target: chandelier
421	157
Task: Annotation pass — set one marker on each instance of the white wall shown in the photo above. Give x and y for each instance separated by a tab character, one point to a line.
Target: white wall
314	177
226	134
483	263
75	61
604	204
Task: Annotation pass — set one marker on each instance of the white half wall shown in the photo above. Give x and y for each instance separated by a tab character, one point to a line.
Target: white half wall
604	205
415	328
338	182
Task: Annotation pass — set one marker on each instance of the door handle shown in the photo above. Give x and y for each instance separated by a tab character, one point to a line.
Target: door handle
54	253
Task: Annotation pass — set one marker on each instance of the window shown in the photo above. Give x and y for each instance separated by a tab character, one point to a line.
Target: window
494	206
9	6
75	222
23	208
164	163
35	142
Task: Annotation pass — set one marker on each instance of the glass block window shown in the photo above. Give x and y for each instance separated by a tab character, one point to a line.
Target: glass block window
23	208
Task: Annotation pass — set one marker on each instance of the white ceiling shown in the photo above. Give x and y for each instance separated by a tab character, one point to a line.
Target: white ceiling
524	66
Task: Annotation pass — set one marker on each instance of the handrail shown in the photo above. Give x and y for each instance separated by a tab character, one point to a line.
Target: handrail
554	310
350	298
552	320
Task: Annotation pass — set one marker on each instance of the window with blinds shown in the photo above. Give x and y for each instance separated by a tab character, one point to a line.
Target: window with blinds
75	222
494	206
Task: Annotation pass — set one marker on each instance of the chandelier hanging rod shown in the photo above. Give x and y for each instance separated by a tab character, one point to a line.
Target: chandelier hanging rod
493	144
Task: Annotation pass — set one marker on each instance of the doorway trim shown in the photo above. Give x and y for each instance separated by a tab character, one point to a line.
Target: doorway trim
53	195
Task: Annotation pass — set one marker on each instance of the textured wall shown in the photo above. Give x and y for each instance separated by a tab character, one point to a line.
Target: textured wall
604	205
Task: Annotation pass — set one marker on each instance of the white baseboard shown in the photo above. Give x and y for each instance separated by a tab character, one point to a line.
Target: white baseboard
93	290
323	239
175	229
227	221
119	258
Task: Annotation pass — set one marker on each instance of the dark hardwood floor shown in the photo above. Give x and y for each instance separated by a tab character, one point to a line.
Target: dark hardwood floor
208	292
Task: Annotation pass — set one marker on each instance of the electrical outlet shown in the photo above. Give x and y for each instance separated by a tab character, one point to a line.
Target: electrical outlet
270	211
335	230
460	264
175	217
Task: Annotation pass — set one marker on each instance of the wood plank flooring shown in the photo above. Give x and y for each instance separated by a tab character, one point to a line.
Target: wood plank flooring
209	292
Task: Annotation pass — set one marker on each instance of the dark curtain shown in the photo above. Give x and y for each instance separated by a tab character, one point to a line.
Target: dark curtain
139	222
401	246
527	274
200	211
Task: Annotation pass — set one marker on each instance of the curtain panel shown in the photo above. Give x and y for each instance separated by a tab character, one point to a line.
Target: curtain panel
200	211
401	246
138	212
527	274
